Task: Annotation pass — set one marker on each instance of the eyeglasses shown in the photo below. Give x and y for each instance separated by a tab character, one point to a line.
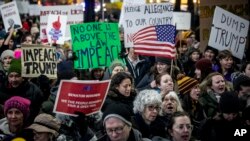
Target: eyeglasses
152	107
117	130
181	126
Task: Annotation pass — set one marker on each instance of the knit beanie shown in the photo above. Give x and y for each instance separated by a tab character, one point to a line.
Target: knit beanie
15	66
185	84
192	50
229	102
163	60
6	53
204	65
116	63
118	111
18	102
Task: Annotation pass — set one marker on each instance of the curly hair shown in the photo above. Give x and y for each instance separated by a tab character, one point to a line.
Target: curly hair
118	78
144	98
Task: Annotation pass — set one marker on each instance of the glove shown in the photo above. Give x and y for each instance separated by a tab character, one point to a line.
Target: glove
81	123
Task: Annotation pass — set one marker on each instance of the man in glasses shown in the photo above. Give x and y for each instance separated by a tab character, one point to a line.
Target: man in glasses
118	126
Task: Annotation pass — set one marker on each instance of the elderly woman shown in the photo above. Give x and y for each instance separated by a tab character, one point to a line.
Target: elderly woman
170	104
118	125
147	106
16	110
45	128
115	67
212	88
121	91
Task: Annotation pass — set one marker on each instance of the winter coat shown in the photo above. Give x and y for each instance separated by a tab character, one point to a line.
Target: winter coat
116	97
141	68
6	135
209	103
156	128
220	129
134	135
27	90
145	82
196	112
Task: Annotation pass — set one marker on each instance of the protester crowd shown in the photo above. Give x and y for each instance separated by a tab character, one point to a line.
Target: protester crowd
197	96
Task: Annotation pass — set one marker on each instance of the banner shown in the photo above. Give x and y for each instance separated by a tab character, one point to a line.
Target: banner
80	96
37	60
10	16
74	16
229	32
137	17
238	7
95	44
56	28
182	20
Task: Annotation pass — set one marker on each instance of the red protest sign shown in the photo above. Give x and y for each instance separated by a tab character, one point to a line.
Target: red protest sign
84	96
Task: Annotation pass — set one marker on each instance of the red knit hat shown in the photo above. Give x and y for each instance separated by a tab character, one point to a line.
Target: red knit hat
204	64
18	102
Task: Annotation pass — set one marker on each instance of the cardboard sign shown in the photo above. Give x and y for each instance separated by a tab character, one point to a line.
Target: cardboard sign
128	2
238	7
37	60
182	20
10	16
56	28
83	96
229	32
74	16
34	10
137	17
95	44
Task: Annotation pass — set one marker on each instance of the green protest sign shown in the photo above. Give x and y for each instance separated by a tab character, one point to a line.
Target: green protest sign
95	44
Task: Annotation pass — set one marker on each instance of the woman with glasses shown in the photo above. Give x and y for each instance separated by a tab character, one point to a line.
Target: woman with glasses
118	126
147	106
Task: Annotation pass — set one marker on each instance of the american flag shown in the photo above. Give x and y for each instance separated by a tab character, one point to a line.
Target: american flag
156	40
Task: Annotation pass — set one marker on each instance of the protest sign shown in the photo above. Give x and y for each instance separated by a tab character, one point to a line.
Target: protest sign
22	6
95	44
229	32
137	17
34	10
82	96
10	16
56	28
37	60
128	2
238	7
182	20
74	16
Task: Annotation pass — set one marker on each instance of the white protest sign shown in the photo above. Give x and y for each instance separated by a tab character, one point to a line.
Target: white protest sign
128	2
10	16
137	17
22	6
34	10
229	32
182	20
56	28
74	16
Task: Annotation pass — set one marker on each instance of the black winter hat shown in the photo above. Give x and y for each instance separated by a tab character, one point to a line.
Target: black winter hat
229	103
118	111
163	60
239	79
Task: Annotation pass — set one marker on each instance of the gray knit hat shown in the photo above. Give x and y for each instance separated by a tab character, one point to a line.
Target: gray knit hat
6	53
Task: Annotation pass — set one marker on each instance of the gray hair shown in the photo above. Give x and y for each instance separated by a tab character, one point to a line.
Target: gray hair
146	97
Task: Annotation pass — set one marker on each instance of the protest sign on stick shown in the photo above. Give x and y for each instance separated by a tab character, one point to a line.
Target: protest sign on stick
80	96
74	16
37	60
229	32
10	16
137	17
56	29
95	44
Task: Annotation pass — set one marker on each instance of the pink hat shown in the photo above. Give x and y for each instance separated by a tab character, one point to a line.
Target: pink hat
18	102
